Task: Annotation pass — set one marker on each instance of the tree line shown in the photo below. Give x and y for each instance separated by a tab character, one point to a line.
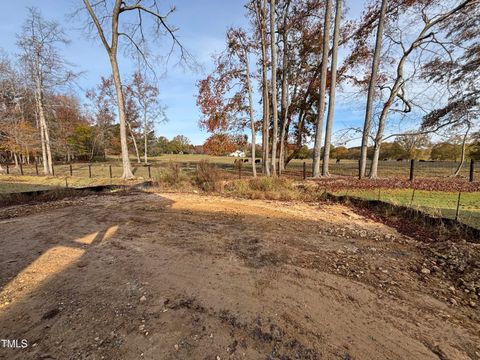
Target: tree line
414	64
40	117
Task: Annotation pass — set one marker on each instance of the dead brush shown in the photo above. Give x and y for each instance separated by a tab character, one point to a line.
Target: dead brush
172	175
265	188
207	177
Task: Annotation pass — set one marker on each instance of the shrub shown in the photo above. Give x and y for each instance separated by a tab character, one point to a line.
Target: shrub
172	175
265	188
207	177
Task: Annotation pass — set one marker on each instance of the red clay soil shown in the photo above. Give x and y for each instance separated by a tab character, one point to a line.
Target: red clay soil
184	276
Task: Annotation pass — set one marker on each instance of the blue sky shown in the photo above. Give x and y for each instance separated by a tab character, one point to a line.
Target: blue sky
202	25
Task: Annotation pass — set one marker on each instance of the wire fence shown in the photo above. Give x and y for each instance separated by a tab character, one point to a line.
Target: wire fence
295	169
456	205
463	206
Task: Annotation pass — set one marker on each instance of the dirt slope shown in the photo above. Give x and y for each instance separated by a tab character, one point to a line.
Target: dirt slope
178	276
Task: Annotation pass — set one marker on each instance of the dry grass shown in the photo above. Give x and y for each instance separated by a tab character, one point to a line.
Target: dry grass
15	184
270	189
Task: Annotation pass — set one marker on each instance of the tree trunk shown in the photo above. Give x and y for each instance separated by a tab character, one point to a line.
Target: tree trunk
377	146
284	100
317	149
250	112
127	169
333	84
462	155
260	12
371	91
145	133
137	153
273	48
112	54
47	170
48	147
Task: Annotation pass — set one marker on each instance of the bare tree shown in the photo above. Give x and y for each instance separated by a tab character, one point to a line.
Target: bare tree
317	149
285	97
145	92
273	48
107	20
371	90
241	45
260	11
45	69
333	83
426	34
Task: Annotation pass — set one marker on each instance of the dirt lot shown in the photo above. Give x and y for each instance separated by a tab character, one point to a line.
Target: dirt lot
185	276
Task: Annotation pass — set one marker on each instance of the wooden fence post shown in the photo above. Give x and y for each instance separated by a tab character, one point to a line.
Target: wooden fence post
412	169
90	171
240	168
149	173
413	197
36	167
472	170
458	206
53	170
71	170
110	169
21	167
8	170
304	170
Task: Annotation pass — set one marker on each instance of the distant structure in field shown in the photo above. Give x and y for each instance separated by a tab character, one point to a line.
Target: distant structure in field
237	153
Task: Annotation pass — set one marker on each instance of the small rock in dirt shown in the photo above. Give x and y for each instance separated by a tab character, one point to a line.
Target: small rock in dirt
143	299
473	303
141	327
51	314
453	301
425	271
176	347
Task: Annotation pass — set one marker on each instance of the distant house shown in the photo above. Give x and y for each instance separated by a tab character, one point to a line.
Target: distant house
237	153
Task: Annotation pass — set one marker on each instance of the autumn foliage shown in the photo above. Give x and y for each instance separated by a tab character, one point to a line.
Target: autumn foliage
219	144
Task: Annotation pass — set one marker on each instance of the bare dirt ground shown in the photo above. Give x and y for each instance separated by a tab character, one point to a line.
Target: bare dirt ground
185	276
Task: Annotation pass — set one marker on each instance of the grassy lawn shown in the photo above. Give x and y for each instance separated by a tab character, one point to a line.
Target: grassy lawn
436	203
